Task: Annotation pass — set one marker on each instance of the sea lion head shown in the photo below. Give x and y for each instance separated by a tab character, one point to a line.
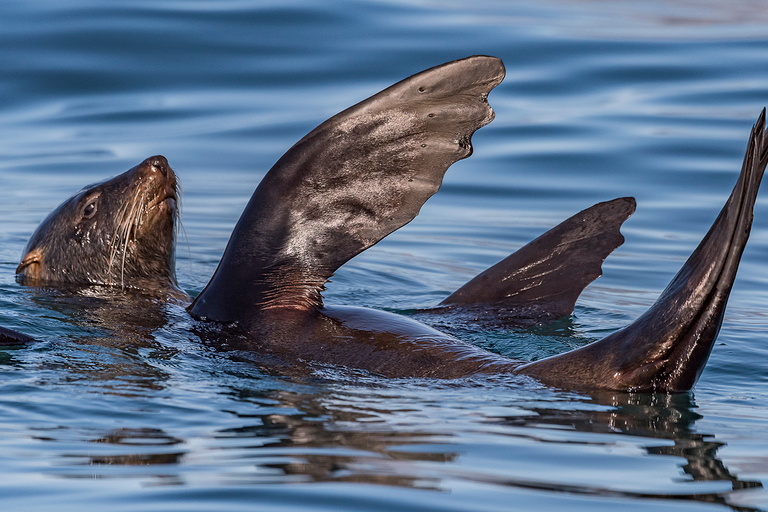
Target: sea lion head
119	232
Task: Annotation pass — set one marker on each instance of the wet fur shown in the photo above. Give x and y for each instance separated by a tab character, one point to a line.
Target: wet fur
128	242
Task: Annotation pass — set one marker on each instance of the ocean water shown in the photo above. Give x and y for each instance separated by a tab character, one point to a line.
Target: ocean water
124	410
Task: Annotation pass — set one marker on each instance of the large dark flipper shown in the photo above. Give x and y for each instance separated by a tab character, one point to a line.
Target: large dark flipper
542	280
667	347
349	183
11	338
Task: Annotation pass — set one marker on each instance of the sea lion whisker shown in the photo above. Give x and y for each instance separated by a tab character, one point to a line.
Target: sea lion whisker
126	235
121	235
115	241
122	266
123	215
179	192
131	227
179	227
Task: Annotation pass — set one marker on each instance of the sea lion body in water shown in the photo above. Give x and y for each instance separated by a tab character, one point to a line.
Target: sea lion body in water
119	232
366	172
665	350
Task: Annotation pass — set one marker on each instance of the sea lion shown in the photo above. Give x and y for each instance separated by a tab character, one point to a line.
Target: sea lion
119	232
366	172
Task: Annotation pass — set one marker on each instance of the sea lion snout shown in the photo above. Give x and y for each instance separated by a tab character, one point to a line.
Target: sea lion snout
156	167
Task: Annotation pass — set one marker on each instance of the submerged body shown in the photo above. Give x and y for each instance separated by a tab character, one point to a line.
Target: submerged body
365	173
294	342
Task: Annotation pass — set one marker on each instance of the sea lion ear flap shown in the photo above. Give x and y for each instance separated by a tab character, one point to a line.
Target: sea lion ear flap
30	264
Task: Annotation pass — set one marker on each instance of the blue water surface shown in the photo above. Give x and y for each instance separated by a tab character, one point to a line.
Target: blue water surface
652	99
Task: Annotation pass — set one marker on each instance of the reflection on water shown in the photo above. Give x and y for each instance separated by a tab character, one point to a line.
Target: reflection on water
116	332
498	432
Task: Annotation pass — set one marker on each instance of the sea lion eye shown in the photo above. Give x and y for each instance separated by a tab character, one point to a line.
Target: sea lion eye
89	210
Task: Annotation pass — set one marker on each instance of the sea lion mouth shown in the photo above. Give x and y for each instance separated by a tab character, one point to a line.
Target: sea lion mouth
167	197
163	201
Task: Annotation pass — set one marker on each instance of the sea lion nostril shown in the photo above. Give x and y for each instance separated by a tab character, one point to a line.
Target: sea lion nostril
160	163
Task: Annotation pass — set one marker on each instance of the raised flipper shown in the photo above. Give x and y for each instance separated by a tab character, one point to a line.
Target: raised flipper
667	347
542	280
349	183
10	338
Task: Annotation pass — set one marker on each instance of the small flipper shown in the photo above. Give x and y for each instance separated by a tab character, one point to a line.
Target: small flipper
666	348
349	183
11	338
542	280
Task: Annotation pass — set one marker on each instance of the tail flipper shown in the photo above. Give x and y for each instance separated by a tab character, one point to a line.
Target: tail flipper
542	280
667	347
9	338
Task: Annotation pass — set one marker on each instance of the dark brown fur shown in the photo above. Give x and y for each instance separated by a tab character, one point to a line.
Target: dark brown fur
119	232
